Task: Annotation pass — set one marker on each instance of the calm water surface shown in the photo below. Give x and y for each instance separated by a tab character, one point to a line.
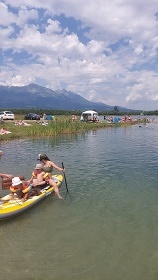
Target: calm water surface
107	229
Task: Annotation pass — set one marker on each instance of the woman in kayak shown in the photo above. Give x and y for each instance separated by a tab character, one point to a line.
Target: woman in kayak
3	175
48	167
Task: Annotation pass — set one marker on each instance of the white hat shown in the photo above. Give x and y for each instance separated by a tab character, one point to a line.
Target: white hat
1	152
16	181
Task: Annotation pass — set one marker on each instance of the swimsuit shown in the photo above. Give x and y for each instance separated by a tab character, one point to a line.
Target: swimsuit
48	169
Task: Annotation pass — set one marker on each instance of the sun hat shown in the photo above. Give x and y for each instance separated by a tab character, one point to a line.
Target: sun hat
38	166
16	181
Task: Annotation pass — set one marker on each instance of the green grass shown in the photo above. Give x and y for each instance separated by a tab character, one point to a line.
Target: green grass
61	125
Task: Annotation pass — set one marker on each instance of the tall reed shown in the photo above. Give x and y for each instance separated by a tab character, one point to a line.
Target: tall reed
61	125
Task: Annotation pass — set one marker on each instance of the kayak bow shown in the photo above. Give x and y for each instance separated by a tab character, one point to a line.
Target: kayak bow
10	208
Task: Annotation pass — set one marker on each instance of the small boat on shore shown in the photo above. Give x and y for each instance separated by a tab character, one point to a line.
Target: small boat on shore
11	207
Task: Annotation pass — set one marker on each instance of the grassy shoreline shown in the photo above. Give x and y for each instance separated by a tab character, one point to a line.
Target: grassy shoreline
61	125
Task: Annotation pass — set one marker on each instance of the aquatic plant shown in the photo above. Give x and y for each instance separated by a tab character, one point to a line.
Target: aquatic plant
57	126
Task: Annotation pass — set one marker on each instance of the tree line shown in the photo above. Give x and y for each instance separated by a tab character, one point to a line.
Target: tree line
52	112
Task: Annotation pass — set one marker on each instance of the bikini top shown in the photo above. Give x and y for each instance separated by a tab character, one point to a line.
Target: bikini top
48	169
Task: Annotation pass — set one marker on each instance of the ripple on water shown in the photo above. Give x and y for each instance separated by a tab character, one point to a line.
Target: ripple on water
108	228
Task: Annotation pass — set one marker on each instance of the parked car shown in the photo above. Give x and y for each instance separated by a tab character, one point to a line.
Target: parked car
6	115
32	116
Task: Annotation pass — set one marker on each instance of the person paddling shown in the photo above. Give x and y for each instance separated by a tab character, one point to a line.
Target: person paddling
48	166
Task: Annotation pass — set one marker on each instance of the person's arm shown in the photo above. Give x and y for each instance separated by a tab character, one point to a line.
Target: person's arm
12	195
30	180
3	175
24	197
57	167
38	183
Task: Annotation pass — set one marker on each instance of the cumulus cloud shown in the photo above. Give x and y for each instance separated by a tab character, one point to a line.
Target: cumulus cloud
105	51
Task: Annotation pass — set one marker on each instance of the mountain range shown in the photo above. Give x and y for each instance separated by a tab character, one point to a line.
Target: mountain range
35	96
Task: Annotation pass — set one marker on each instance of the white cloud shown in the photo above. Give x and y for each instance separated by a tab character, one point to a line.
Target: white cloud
6	17
24	15
110	57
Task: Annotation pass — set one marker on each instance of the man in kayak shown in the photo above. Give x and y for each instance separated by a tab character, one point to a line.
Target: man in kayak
3	175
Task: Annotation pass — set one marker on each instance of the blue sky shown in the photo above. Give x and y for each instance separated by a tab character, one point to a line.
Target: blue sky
106	51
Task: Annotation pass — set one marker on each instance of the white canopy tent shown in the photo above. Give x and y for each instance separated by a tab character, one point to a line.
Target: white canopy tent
89	116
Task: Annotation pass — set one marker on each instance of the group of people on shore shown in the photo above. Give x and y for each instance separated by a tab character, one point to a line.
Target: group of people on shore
41	176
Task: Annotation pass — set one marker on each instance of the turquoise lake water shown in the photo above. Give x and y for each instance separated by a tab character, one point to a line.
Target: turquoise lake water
107	229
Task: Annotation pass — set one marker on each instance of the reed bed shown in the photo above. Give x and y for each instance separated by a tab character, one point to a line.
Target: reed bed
61	125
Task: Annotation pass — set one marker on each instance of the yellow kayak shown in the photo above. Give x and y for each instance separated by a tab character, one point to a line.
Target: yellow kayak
11	207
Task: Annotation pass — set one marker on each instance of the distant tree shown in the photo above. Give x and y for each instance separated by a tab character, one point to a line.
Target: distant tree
116	109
